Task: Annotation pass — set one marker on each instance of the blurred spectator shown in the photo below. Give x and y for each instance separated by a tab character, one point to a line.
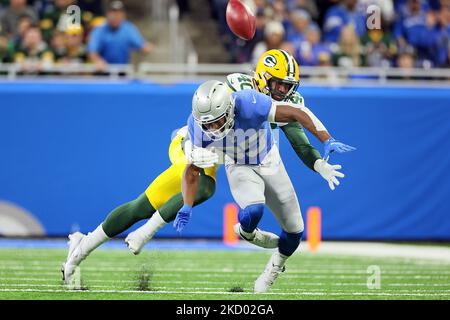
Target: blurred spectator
411	24
34	55
311	51
57	45
349	53
402	7
299	22
442	31
307	5
23	24
279	12
324	6
406	58
436	38
379	47
10	17
55	17
76	50
425	31
6	49
340	16
113	41
273	39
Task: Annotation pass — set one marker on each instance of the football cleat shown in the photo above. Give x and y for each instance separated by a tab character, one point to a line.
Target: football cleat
74	257
259	238
135	242
268	277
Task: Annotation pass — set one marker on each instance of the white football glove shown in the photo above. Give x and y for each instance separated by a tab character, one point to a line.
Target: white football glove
203	158
328	172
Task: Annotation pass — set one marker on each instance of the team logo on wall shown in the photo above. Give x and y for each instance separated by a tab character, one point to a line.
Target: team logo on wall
18	222
270	61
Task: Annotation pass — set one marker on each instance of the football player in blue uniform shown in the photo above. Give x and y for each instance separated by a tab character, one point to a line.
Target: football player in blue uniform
235	128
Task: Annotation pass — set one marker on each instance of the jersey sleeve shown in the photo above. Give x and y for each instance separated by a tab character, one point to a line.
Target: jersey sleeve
300	143
252	106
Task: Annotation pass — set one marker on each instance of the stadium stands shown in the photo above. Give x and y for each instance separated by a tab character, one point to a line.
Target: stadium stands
411	33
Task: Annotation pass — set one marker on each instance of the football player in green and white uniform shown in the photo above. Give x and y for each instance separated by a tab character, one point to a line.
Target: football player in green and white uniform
276	75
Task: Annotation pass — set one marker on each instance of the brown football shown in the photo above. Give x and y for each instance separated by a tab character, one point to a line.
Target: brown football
241	20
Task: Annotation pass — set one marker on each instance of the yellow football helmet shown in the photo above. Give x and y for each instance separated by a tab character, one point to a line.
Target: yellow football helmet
277	69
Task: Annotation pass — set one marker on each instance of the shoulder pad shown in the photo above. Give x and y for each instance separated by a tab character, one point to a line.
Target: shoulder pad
296	98
239	81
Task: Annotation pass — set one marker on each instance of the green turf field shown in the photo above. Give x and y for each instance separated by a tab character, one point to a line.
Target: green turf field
170	274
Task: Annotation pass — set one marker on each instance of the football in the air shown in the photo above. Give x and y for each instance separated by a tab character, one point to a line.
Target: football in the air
241	19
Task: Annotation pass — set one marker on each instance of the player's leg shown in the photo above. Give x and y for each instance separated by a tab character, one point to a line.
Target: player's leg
165	195
282	200
247	189
167	213
119	220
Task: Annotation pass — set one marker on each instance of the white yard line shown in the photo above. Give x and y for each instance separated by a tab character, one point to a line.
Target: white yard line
134	265
287	276
355	249
285	290
385	250
319	293
225	270
228	283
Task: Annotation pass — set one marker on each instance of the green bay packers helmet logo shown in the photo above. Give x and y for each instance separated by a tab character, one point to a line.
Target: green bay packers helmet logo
270	61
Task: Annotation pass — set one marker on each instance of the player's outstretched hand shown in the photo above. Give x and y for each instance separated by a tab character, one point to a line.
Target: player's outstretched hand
182	218
329	172
332	145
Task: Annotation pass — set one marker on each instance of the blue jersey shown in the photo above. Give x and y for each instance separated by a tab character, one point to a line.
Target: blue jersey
250	138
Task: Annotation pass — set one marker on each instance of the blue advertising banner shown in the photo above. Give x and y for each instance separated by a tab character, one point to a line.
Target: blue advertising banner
72	152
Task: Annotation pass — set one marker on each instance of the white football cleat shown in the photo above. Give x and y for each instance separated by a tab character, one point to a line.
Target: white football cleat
74	257
259	238
135	242
268	277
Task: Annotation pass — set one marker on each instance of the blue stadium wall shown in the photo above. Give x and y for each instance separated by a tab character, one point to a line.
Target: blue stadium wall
71	152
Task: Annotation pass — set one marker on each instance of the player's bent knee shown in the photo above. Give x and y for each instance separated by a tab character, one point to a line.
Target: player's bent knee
250	216
289	242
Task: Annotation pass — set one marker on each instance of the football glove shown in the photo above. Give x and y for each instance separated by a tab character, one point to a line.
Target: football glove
328	172
334	145
182	218
203	158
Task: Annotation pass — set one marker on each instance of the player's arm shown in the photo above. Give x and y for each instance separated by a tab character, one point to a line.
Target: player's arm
310	156
189	184
189	187
300	143
198	159
284	112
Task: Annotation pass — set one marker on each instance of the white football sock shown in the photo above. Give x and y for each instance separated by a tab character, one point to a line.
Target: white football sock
279	259
152	226
93	240
247	235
